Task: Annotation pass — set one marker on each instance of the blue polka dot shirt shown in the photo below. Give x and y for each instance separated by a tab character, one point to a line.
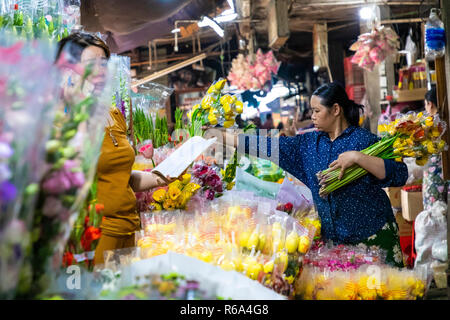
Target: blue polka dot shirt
352	213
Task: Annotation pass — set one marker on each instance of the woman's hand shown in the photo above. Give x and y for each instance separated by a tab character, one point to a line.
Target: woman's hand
345	160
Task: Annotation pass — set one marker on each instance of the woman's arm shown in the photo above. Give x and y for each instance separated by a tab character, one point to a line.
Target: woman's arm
374	165
143	181
388	172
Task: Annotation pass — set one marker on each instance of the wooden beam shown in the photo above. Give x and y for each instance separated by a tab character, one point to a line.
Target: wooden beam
315	3
168	70
411	20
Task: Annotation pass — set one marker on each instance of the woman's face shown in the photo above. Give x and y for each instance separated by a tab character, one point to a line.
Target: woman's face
96	56
430	107
322	117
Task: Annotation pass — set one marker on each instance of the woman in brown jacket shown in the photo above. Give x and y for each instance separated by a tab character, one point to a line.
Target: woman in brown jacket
116	181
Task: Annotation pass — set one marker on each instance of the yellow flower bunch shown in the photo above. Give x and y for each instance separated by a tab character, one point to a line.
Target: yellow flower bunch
218	107
417	136
393	284
176	196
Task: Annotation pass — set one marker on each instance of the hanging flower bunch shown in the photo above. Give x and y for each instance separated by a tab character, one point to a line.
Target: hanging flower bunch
240	75
247	74
175	196
209	180
216	108
372	48
410	135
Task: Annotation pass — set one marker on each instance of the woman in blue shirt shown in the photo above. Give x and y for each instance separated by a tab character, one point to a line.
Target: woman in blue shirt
360	212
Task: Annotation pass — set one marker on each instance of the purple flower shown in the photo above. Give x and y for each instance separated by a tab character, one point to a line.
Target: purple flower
5	173
5	150
8	192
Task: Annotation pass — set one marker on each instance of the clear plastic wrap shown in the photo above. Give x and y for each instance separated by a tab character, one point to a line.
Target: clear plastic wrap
25	119
247	182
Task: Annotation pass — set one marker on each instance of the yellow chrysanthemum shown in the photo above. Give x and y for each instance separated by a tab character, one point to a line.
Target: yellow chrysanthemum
155	206
168	204
207	101
212	119
185	178
159	195
228	123
226	99
421	161
239	107
174	192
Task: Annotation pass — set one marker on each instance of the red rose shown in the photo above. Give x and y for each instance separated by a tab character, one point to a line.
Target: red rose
288	207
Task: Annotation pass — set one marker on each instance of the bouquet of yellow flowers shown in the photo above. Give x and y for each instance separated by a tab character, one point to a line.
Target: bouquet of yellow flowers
175	196
216	107
410	135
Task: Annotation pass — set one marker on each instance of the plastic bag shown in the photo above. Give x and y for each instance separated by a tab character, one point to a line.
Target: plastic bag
247	182
299	196
150	97
430	227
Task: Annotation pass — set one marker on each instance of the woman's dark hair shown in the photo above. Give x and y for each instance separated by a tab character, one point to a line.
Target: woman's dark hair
332	93
77	42
431	96
280	126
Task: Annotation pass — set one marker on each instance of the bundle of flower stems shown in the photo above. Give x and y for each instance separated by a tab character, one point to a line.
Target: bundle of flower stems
329	179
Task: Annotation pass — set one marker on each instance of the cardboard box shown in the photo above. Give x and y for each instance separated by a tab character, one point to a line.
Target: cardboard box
404	227
412	204
394	196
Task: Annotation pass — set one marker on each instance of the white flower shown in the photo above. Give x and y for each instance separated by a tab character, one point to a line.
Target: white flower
398	256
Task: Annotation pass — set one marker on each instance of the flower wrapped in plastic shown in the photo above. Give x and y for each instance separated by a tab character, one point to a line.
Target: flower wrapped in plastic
26	112
38	20
415	135
121	85
373	48
72	152
238	232
216	107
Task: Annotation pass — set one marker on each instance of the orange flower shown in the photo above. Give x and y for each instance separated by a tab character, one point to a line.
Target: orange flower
99	207
67	259
89	235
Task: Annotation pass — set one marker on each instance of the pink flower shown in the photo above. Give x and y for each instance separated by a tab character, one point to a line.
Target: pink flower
147	151
76	179
11	55
209	194
56	183
53	207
